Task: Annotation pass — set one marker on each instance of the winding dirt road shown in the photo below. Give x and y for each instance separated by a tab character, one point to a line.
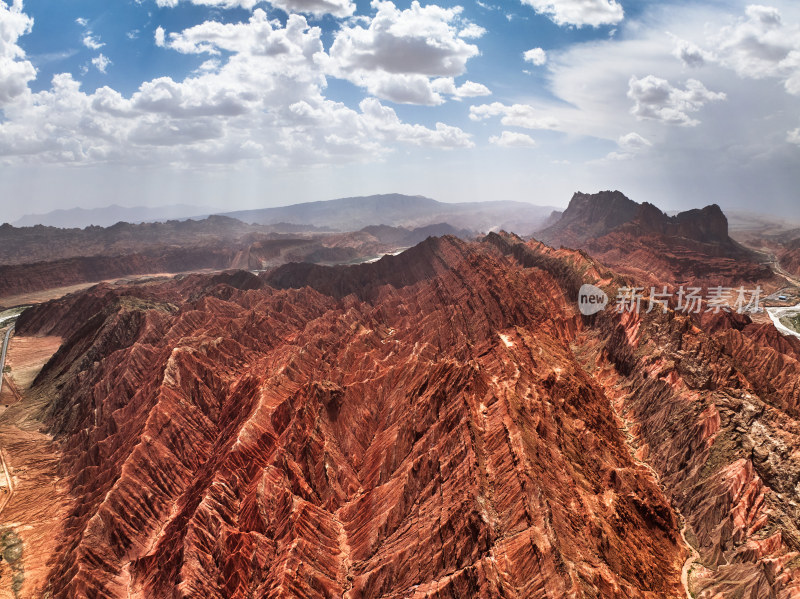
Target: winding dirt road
775	265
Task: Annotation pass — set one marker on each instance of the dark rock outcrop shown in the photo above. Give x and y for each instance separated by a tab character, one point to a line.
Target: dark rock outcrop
692	247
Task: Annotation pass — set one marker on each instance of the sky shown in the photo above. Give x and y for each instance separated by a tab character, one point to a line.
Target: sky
233	104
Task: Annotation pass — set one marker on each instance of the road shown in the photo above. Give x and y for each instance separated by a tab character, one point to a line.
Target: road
9	486
3	357
775	265
687	565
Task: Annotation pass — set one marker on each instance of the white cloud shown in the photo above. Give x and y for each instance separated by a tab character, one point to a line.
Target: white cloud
383	121
257	37
159	37
761	45
209	66
246	4
338	8
258	100
518	115
82	22
579	12
15	71
471	30
794	136
654	98
92	42
469	89
395	56
101	62
690	54
633	142
510	139
536	56
630	144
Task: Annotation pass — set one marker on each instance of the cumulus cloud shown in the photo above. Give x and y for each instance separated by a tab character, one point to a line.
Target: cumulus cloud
258	98
92	42
510	139
579	12
246	4
630	144
536	56
471	30
337	8
398	51
257	37
761	45
517	115
655	98
15	71
793	136
384	121
690	54
159	37
468	89
633	142
101	62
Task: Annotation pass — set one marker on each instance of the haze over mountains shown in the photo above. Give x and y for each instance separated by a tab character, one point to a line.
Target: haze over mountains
109	215
343	214
348	214
631	237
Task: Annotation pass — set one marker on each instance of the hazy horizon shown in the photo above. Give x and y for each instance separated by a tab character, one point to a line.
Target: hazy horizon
240	104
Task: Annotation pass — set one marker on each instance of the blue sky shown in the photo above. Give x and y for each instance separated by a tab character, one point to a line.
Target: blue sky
237	103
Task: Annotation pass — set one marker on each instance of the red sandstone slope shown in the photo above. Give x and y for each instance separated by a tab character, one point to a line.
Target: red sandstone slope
438	424
692	247
790	257
434	438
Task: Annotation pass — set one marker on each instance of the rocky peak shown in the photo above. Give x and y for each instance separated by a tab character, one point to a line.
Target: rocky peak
605	209
589	216
706	225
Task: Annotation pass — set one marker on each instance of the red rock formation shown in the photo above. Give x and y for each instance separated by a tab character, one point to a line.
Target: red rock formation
692	247
438	424
431	436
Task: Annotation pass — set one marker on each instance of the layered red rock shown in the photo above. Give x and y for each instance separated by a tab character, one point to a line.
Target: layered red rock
431	436
438	424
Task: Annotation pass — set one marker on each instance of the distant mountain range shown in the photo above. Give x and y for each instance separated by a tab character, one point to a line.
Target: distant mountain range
351	214
110	215
343	214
